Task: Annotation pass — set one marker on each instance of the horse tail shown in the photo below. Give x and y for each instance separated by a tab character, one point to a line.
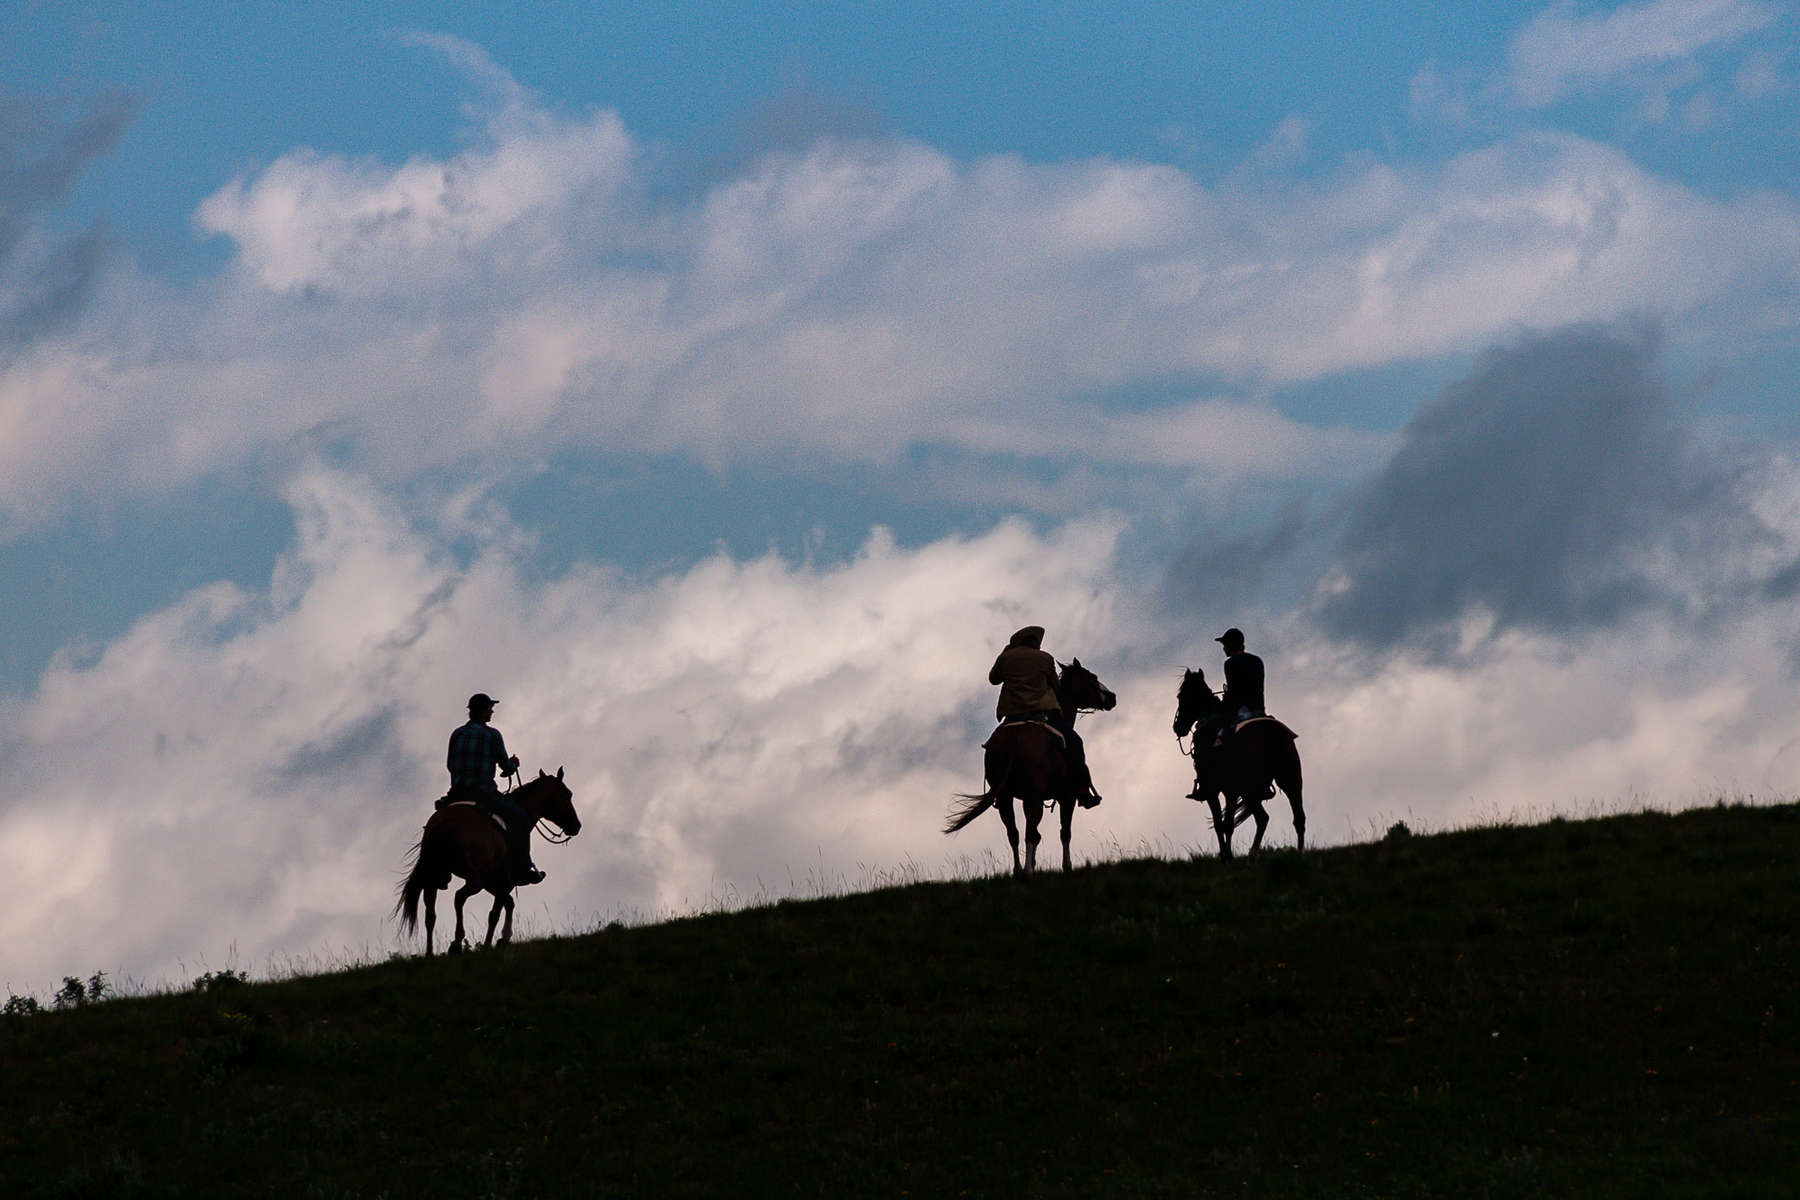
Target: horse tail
1287	766
973	806
970	808
406	908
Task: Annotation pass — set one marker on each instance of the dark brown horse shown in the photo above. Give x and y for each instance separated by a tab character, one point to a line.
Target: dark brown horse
1025	761
462	840
1256	759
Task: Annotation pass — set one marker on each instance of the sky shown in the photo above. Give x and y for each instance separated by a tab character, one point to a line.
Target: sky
720	386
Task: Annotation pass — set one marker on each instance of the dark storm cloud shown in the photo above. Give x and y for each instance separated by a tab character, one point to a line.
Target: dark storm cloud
1535	488
1212	574
41	156
345	754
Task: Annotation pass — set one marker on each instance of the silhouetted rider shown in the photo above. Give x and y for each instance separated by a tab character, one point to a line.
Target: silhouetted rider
477	752
1026	674
1243	695
1241	699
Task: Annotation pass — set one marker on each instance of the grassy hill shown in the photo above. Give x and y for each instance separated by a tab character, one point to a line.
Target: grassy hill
1578	1008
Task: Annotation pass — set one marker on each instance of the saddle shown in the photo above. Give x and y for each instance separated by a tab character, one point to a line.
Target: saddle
1239	727
452	800
1040	719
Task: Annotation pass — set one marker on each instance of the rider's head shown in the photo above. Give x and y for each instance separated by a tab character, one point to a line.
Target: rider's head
1232	640
1031	635
481	706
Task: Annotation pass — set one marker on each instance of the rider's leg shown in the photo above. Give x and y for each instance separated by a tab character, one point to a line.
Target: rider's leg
518	838
1078	766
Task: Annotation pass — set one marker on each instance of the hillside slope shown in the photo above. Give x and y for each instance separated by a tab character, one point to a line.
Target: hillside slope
1577	1008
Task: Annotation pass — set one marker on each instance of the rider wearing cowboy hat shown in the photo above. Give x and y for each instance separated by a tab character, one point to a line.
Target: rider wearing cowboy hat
477	751
1026	674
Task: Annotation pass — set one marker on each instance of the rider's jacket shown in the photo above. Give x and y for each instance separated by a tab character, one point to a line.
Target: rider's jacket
1027	677
1243	686
476	752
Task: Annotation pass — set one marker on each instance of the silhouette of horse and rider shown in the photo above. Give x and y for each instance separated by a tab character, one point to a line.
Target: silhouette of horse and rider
1035	757
479	833
1240	752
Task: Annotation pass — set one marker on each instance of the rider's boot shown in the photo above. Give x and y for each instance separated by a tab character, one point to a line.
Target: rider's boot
525	872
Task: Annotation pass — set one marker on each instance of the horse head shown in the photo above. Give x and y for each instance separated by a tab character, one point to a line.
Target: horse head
555	803
1081	688
1193	701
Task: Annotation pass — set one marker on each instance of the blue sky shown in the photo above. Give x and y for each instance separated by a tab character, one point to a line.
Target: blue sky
722	384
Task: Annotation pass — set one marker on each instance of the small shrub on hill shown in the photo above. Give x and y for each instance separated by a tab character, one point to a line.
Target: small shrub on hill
20	1006
213	982
75	994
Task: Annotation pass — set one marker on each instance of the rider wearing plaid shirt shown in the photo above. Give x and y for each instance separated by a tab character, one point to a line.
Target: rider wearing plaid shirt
477	752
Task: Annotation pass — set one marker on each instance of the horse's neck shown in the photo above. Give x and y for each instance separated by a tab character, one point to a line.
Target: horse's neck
525	796
1202	703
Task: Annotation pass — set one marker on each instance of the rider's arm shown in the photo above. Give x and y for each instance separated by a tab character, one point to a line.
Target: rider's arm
507	765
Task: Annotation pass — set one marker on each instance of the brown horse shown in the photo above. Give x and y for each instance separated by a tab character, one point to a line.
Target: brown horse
1025	761
462	840
1257	758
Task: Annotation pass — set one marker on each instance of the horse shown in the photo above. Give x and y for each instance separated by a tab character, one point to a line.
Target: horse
1025	761
463	840
1258	757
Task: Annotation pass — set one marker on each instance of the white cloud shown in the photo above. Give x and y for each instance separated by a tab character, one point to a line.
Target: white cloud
850	303
1561	52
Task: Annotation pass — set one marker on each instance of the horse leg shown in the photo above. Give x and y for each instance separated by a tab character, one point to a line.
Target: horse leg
506	930
501	900
1220	828
1262	824
1068	821
1291	787
1005	805
462	894
430	917
1034	813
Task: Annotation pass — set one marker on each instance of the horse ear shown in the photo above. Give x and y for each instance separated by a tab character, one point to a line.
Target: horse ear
1075	662
559	772
540	772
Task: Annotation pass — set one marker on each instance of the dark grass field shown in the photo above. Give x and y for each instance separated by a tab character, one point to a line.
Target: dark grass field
1595	1008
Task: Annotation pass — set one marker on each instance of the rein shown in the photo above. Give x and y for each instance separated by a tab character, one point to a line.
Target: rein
550	837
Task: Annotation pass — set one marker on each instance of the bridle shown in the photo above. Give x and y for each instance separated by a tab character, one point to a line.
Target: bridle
539	824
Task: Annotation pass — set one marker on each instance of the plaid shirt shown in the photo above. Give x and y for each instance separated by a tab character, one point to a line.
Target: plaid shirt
476	752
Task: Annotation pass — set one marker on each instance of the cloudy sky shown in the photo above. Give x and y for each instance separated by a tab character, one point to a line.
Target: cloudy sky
721	389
